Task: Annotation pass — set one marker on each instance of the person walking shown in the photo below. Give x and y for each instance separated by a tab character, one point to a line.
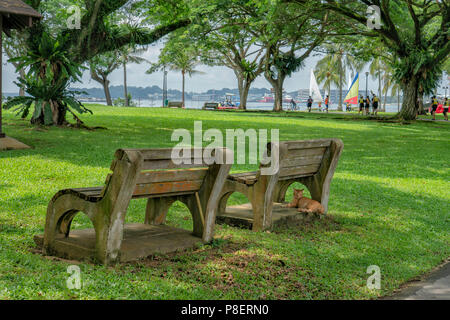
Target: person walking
348	107
367	106
327	103
293	105
375	101
310	102
446	106
434	106
361	105
320	106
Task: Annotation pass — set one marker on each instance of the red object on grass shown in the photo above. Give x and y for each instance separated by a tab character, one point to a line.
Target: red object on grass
440	109
228	108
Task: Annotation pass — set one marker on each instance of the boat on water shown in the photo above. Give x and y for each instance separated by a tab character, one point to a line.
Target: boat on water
229	103
267	98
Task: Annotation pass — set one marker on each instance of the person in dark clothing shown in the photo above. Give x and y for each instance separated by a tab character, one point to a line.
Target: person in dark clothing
310	102
367	105
375	101
434	106
293	105
361	105
327	103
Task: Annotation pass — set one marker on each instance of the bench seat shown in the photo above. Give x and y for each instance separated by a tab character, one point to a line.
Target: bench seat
197	181
310	162
247	178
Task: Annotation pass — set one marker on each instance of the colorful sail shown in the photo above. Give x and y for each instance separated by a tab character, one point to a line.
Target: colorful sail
314	90
353	92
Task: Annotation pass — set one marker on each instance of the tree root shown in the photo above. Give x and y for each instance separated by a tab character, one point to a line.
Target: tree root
80	124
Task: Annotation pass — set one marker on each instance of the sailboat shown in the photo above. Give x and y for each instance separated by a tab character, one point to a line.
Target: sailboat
314	90
353	91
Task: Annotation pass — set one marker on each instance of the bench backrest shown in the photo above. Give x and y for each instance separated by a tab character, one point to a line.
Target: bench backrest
211	105
175	104
303	158
160	175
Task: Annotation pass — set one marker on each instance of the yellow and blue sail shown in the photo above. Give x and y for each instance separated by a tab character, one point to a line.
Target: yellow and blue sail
353	92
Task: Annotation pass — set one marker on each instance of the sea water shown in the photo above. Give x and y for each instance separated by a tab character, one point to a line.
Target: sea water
196	104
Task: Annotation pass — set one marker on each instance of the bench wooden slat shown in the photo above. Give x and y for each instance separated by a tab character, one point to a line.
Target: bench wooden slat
299	171
244	174
168	164
89	194
162	158
308	144
297	153
248	178
172	175
301	161
167	187
164	154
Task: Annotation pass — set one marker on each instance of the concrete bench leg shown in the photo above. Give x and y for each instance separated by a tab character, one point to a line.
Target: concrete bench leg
60	213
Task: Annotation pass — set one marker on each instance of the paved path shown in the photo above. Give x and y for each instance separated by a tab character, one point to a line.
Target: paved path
436	286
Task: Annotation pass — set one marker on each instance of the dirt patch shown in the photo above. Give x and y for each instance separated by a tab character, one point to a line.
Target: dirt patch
312	224
204	253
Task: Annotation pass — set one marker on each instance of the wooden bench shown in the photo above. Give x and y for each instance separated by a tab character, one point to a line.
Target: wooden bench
175	104
210	106
136	174
311	163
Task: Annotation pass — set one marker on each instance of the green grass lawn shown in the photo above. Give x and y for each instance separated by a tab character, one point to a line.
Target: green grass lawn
389	206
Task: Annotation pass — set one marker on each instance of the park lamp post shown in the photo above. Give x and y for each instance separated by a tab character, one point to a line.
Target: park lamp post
164	87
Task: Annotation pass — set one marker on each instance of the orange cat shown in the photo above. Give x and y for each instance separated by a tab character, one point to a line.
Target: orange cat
305	205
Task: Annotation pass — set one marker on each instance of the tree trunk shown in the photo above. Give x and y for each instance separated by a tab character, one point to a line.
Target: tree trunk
244	88
420	107
278	102
127	103
182	89
380	93
58	115
22	76
244	95
277	85
410	104
107	92
341	77
240	81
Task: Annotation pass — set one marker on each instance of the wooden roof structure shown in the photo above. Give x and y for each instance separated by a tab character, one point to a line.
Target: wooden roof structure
14	14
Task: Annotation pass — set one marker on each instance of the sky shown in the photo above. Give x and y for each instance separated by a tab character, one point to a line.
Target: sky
209	78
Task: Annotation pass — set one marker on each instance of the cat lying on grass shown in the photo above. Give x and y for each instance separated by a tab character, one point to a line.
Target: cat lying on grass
305	205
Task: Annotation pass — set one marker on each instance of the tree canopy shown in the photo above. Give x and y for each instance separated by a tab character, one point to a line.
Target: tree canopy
416	33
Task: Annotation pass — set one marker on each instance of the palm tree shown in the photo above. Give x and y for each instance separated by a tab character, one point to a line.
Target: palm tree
325	74
376	69
188	67
128	54
178	56
389	84
50	73
332	68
